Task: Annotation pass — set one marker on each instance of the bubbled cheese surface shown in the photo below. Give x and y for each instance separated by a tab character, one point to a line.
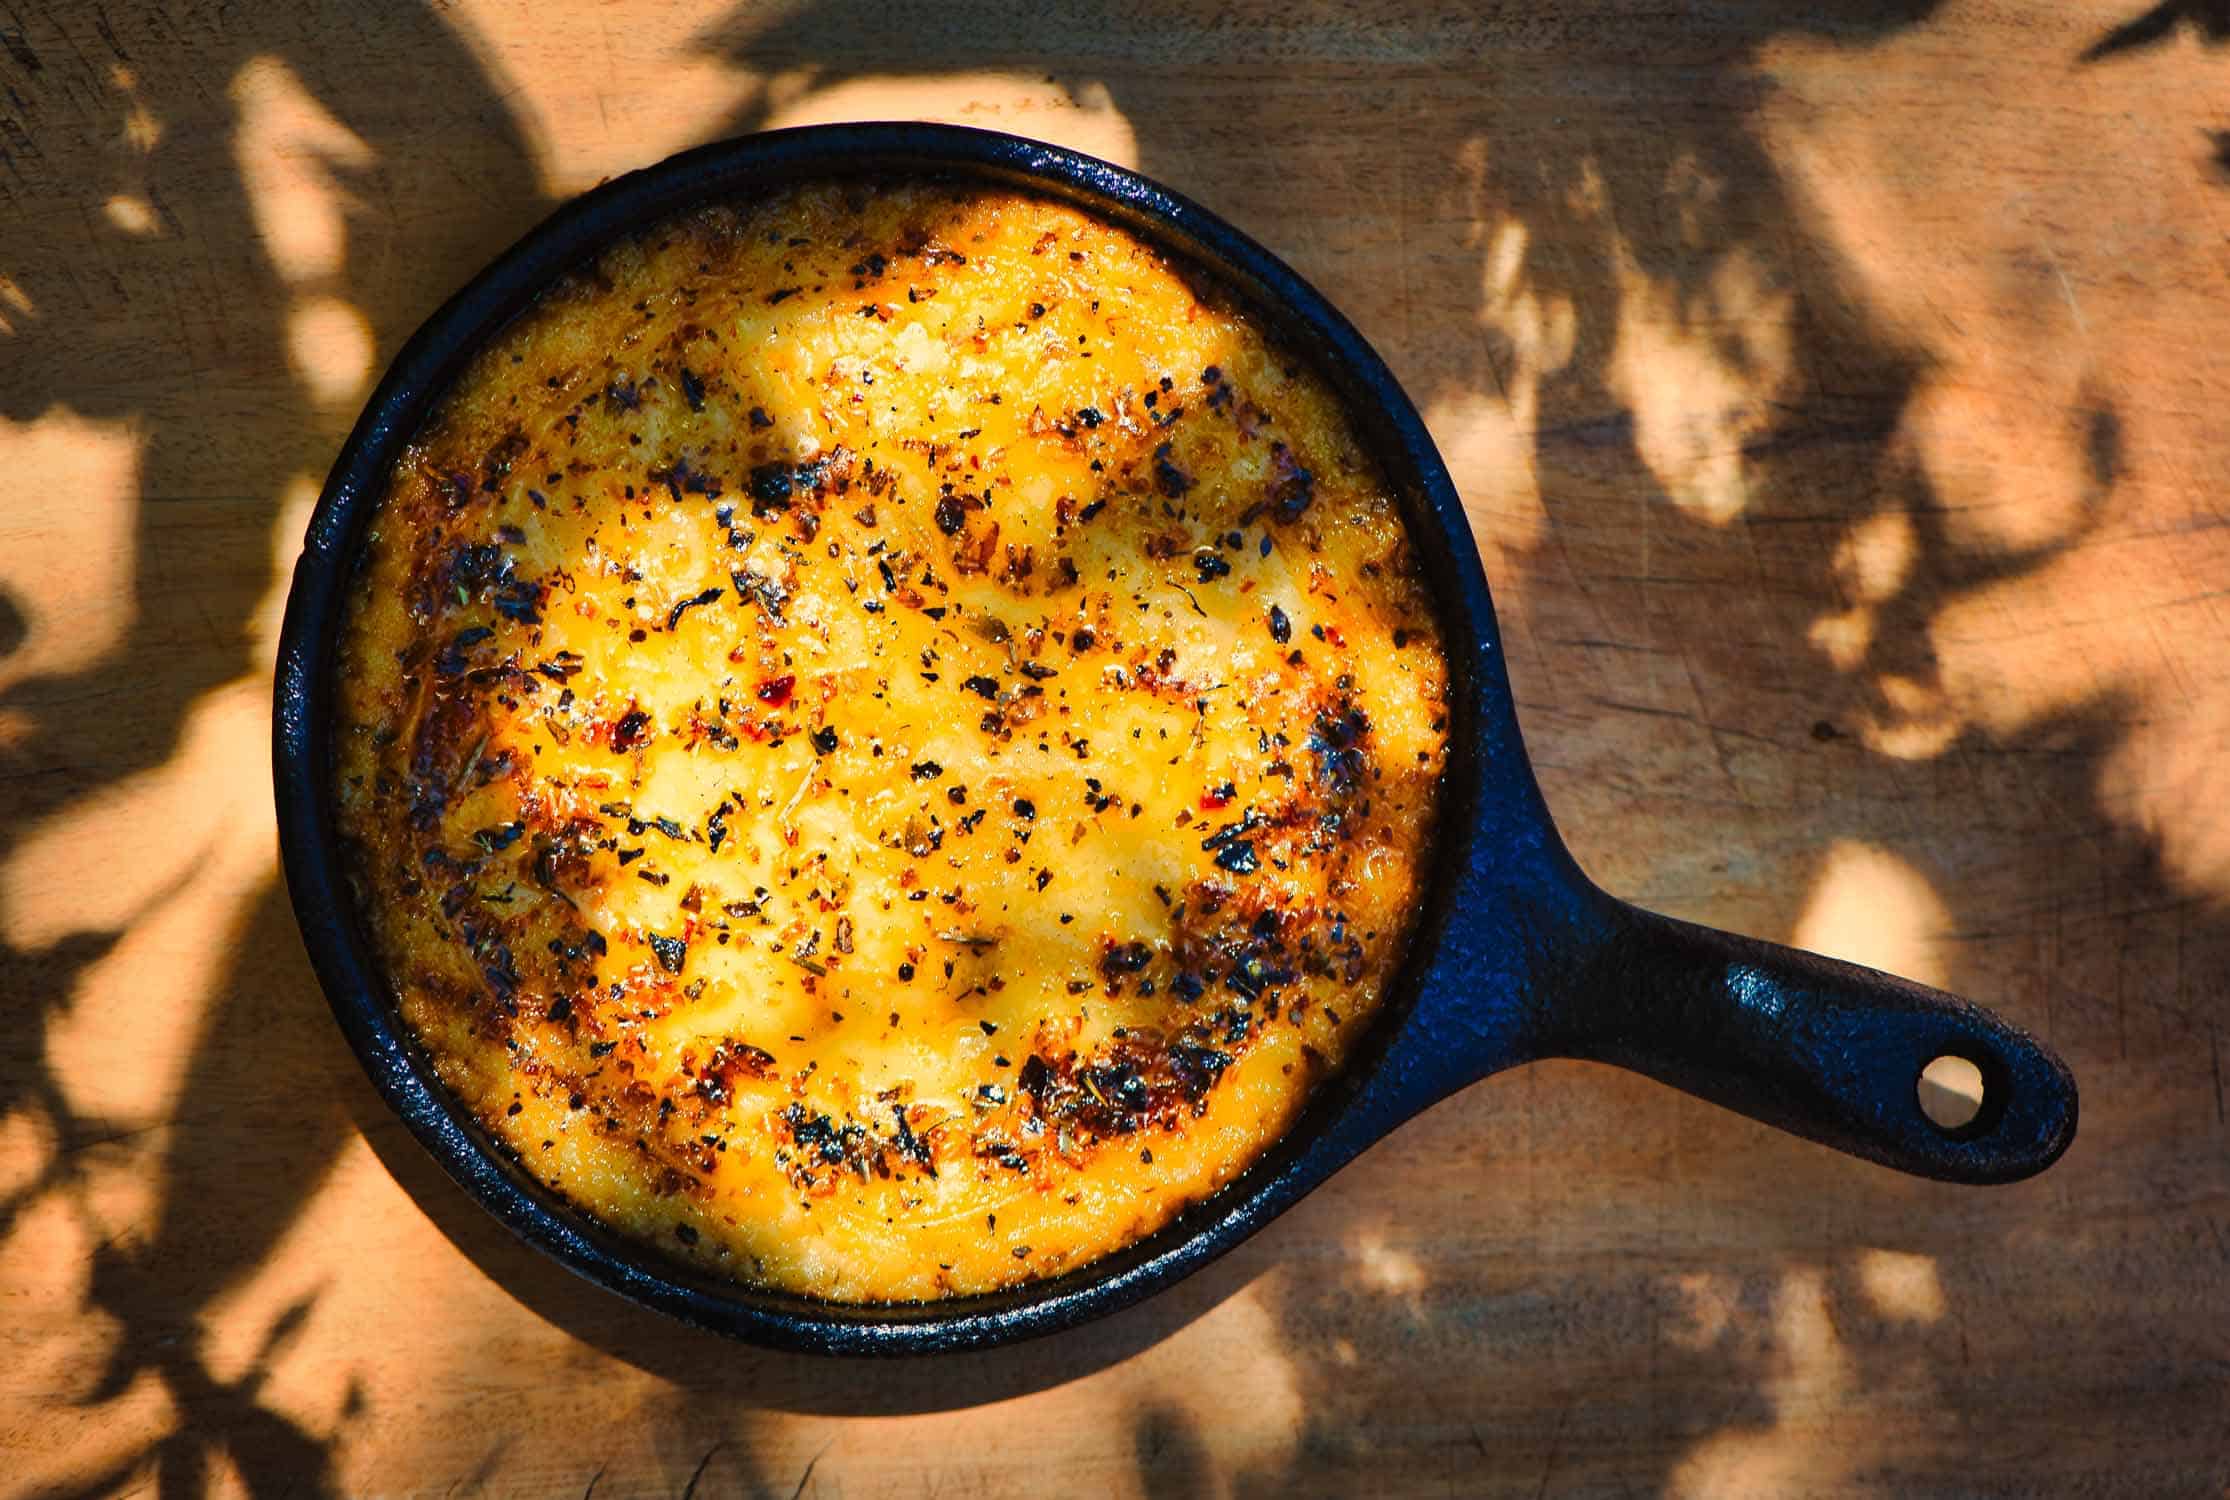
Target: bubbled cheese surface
888	739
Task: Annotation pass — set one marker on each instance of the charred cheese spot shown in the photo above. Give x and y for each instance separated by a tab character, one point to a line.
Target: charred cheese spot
813	760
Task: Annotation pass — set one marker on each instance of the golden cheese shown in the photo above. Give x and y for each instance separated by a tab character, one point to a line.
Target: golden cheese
888	738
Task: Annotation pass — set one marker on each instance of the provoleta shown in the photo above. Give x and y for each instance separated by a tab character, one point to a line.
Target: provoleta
888	739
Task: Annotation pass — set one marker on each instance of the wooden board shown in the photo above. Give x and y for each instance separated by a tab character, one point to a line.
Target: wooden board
1838	391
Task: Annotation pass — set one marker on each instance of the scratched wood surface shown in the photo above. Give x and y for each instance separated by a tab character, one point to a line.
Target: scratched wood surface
1838	390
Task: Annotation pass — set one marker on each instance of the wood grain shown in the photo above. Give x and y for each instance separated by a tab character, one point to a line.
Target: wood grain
1837	392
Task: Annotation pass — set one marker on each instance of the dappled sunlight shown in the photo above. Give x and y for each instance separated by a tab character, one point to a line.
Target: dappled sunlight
2055	429
295	158
1902	1285
1086	121
330	346
16	306
28	1141
1834	1344
601	121
1487	437
2169	769
2122	618
69	560
326	1309
132	214
297	499
1876	557
2012	475
48	1263
1707	1304
1814	1366
1916	719
1810	1374
1390	1271
1871	907
1843	637
344	1374
1871	564
134	210
1702	369
143	132
118	1050
1249	1394
202	805
1490	457
290	150
1539	326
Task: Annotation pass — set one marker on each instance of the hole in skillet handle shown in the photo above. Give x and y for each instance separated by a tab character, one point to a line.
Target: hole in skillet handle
1955	1092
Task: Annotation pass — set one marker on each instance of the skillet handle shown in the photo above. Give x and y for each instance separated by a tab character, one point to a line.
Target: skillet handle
1824	1049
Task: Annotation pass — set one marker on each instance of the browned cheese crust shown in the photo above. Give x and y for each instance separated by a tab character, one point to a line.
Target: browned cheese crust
888	739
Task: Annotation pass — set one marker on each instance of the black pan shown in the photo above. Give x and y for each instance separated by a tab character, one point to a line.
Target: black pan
1516	955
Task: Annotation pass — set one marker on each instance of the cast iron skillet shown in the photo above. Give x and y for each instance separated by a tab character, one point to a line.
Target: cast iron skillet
1516	956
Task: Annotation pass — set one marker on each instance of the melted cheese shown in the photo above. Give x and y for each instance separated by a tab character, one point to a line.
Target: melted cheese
888	738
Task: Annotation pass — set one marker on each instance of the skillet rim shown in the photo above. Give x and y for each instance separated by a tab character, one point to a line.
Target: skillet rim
1487	793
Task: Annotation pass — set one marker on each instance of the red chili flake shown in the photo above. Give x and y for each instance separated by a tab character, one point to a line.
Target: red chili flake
777	691
1216	798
